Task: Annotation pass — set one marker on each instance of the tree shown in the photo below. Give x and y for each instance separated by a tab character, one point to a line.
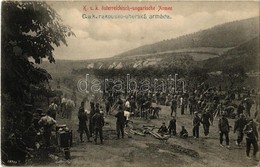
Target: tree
235	74
197	75
29	32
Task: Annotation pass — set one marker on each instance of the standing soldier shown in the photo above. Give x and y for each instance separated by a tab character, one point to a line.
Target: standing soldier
205	119
47	122
53	109
196	125
240	108
239	127
182	105
120	123
63	105
133	106
251	138
127	105
82	116
192	103
98	123
107	104
172	126
92	112
223	127
248	105
69	108
174	106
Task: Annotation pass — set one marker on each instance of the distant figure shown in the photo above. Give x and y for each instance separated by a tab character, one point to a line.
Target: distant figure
53	109
183	132
127	105
251	138
240	124
63	105
192	104
240	108
172	126
248	102
196	125
47	122
223	127
98	123
174	106
92	112
82	116
108	106
127	117
182	105
69	107
120	123
163	129
205	119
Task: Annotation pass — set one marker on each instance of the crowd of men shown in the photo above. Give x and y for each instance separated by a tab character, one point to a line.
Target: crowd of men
205	104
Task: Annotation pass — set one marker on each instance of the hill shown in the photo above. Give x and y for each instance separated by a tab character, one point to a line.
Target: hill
245	55
222	36
232	43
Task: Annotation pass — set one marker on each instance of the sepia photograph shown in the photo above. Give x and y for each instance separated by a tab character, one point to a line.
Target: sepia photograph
130	83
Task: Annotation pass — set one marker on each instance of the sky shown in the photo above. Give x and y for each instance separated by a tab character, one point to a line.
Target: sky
103	38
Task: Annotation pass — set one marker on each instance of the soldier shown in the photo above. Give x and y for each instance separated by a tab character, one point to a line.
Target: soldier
120	123
183	132
172	126
82	116
192	104
53	109
182	105
127	105
240	108
63	106
163	129
251	138
239	127
196	125
108	106
223	127
133	105
47	122
98	123
205	120
92	112
174	106
69	107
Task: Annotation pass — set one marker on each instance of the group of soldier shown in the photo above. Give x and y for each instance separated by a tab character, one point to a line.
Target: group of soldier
203	104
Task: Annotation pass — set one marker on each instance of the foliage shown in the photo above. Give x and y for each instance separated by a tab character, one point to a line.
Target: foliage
235	74
29	32
197	75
